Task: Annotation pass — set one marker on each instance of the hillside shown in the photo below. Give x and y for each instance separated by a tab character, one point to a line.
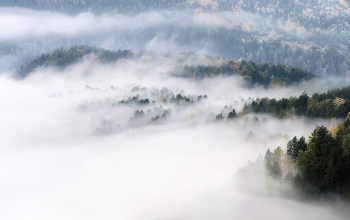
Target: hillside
63	57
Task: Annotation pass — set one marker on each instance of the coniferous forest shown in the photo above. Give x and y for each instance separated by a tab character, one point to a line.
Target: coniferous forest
179	109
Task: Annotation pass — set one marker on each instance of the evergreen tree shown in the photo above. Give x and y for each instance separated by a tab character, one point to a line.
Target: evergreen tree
232	115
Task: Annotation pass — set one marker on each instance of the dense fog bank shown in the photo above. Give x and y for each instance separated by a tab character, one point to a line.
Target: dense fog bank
57	166
173	109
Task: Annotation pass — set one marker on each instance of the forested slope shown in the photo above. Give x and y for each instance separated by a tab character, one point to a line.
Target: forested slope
266	75
307	34
63	57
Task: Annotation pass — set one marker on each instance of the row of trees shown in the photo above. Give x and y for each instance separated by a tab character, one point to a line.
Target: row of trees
265	74
268	75
334	103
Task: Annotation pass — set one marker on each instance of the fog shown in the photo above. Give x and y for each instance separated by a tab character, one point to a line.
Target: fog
41	23
75	145
55	165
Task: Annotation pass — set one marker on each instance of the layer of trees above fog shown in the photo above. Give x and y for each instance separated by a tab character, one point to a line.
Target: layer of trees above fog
334	103
331	105
266	75
150	106
63	57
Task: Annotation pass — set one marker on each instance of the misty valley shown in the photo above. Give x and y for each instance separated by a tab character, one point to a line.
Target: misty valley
179	109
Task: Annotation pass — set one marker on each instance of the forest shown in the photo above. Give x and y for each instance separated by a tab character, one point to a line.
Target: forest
334	103
324	50
317	169
63	57
268	75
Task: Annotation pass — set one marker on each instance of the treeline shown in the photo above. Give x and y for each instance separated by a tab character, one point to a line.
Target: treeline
63	57
334	103
268	75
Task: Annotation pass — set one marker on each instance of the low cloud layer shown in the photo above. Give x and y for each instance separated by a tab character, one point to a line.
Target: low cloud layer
55	166
25	23
75	144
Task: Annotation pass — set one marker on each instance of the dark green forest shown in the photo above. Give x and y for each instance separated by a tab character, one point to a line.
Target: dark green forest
63	57
269	75
334	103
323	164
318	168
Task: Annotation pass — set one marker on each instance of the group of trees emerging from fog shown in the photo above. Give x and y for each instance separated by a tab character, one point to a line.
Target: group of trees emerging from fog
267	75
316	169
334	103
63	57
151	107
323	164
